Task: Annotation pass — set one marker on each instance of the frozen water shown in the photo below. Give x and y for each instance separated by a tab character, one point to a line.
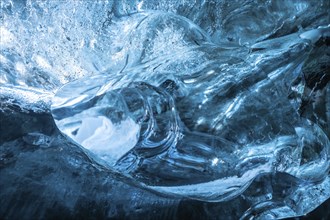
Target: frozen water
111	142
216	101
207	147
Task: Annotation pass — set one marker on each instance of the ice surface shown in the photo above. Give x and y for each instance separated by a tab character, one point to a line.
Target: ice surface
176	156
216	106
110	141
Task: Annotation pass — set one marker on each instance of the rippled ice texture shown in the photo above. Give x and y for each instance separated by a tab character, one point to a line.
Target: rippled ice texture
192	99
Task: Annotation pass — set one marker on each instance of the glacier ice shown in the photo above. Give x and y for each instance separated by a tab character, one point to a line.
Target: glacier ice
219	106
199	143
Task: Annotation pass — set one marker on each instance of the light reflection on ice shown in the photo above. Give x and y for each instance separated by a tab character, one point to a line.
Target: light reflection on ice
215	114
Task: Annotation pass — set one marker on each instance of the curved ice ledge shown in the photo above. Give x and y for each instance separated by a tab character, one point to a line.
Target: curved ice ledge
135	129
203	123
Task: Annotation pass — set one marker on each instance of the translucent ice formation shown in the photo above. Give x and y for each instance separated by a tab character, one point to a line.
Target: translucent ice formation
205	129
210	100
